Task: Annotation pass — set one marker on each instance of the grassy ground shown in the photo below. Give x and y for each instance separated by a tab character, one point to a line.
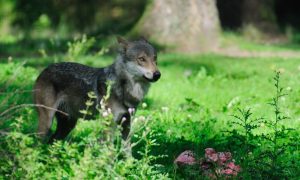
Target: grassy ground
190	107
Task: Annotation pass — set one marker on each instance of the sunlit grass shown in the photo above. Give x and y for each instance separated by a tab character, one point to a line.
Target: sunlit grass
192	103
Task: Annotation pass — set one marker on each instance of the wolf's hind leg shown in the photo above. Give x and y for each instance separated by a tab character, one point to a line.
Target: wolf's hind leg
65	124
45	121
45	96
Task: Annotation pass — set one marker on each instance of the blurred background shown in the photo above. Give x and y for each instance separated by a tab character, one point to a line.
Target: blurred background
194	26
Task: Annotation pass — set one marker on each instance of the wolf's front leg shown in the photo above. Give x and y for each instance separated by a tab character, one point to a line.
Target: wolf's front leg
125	124
122	118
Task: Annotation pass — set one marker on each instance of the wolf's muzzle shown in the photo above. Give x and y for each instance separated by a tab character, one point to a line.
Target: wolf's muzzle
156	75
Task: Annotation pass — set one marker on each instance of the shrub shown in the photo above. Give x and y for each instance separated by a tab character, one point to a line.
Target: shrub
95	151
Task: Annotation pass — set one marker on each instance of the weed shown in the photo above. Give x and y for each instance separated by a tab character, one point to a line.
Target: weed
264	150
277	136
79	47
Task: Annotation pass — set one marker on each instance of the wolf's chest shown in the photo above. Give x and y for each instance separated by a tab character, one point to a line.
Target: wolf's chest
137	91
131	93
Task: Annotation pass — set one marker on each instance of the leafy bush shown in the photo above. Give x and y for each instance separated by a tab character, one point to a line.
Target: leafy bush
267	149
90	153
94	150
79	47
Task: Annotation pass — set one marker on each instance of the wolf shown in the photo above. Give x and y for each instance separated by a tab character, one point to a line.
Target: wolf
61	89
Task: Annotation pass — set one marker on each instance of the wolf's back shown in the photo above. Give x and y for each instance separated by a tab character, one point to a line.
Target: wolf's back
70	77
71	71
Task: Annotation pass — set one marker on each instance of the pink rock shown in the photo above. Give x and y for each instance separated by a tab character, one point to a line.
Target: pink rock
224	156
205	165
227	171
235	168
209	151
186	158
211	155
228	155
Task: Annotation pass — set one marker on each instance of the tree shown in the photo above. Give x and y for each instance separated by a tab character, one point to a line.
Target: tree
260	14
256	19
181	25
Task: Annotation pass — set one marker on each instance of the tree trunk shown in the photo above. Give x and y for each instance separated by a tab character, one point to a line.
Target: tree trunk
181	25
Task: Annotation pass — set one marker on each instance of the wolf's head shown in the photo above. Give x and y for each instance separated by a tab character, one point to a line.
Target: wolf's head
140	59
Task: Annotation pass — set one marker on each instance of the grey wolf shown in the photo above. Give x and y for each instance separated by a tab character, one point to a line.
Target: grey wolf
63	87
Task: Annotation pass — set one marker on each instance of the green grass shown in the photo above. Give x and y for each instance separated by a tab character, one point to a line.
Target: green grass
215	85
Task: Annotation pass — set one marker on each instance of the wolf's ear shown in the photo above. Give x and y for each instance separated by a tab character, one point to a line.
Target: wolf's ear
142	38
124	43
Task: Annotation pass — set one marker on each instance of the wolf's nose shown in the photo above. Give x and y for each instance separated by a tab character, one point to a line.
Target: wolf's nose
156	75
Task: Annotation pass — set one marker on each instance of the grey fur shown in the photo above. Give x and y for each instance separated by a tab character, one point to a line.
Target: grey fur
64	86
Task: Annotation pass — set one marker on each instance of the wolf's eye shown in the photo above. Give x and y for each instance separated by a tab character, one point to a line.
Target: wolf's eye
142	59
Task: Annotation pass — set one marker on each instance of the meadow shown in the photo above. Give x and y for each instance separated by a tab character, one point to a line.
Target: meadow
233	104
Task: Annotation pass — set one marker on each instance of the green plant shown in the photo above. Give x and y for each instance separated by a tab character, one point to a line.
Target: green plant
277	139
94	151
79	47
264	149
244	136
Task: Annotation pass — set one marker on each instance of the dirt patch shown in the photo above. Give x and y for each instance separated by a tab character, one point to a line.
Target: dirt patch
236	52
